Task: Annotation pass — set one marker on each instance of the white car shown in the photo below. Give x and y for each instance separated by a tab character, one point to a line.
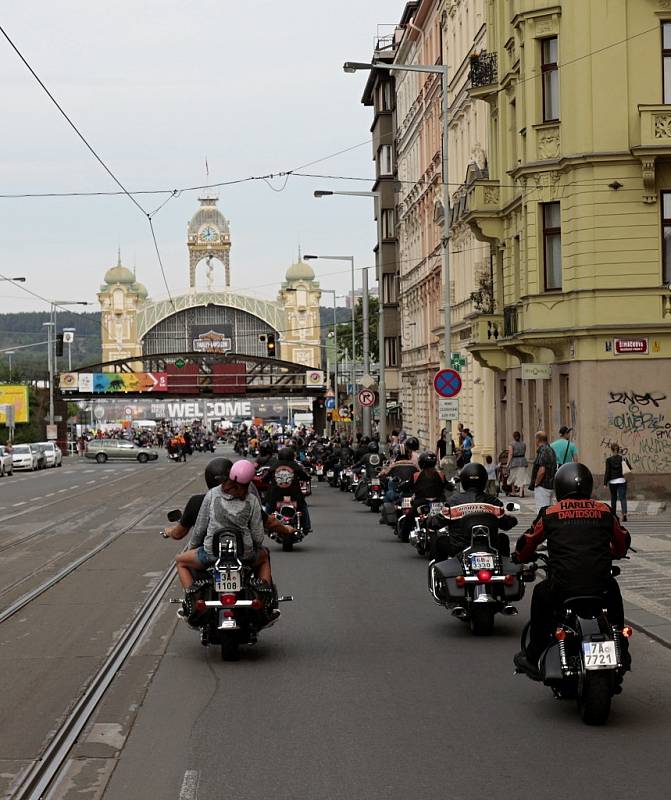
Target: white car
24	457
6	464
53	453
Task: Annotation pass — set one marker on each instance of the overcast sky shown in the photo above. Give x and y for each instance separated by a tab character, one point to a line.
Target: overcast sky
256	87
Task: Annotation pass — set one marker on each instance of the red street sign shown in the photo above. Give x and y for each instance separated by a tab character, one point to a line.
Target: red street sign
367	398
632	346
447	383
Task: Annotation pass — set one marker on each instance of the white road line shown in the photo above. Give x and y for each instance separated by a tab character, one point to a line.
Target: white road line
88	483
189	790
75	486
51	494
16	505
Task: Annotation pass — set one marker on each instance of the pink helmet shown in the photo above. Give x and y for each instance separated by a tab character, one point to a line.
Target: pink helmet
242	472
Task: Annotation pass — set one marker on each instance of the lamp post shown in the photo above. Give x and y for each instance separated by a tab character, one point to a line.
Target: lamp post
10	353
335	340
69	343
51	325
438	69
382	391
14	280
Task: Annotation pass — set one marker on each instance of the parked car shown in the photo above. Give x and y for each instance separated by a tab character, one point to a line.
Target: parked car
6	462
25	456
53	453
41	455
114	449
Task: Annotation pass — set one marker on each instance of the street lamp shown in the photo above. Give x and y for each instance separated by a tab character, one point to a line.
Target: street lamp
14	280
10	353
382	390
51	343
335	340
69	340
438	69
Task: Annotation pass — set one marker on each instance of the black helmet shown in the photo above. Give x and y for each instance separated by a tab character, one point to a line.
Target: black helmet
216	472
373	447
286	454
573	480
265	448
411	443
473	477
427	461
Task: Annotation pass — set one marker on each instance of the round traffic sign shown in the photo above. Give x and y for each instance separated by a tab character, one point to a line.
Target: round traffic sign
366	398
447	383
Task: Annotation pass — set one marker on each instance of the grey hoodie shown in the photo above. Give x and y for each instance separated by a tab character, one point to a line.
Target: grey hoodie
221	510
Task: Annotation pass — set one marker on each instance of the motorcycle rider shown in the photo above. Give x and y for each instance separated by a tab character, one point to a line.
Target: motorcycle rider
473	479
265	454
285	479
583	537
370	461
428	484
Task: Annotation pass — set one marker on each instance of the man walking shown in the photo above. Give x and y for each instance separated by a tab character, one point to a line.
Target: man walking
566	451
543	472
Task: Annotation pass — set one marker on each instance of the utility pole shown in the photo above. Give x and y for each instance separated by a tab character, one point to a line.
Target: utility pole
366	412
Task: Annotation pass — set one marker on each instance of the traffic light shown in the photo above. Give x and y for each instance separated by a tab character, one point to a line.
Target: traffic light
59	344
270	345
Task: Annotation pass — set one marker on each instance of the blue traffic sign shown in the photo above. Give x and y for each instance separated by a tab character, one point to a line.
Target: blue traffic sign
447	383
330	403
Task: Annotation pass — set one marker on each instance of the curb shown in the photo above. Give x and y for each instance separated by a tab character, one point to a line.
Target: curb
654	626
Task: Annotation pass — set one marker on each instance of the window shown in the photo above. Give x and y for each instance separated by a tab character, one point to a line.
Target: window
552	245
384	101
550	72
666	60
666	237
388	225
385	160
391	351
390	283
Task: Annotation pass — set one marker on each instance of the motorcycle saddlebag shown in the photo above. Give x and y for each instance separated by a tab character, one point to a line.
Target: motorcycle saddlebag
516	590
448	571
389	514
361	492
550	665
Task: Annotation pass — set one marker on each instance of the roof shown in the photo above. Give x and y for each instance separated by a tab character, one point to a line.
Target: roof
208	213
119	274
300	271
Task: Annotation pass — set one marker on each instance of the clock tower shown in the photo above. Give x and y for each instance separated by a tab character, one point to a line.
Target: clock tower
208	237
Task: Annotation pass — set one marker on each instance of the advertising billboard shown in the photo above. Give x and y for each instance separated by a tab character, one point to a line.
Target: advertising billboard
113	382
17	396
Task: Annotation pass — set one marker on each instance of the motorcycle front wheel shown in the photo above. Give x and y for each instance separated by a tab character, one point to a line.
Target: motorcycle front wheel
230	648
482	621
594	698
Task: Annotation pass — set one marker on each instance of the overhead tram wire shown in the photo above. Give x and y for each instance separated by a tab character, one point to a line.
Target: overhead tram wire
93	153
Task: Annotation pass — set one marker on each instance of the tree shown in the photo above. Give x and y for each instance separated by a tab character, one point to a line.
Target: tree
345	330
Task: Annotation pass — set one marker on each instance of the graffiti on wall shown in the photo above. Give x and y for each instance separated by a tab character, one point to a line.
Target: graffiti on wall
640	422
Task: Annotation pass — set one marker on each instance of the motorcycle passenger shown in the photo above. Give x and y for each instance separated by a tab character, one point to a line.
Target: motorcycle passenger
429	482
285	481
402	470
216	472
265	454
370	461
583	537
473	478
411	446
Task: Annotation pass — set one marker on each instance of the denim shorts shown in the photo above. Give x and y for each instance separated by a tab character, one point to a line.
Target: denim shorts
204	557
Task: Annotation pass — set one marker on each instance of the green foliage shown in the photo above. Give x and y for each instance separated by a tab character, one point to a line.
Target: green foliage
345	329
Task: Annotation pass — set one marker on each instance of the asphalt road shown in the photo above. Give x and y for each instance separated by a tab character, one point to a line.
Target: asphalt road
364	689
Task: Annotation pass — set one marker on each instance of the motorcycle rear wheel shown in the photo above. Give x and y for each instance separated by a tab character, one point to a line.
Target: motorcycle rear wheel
594	698
230	648
287	546
482	621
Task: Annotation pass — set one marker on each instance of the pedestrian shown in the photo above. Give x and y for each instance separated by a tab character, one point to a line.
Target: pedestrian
491	468
617	466
445	445
566	451
543	472
467	446
518	466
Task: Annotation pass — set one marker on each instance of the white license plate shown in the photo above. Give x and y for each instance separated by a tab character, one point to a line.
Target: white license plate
436	508
330	474
320	471
482	562
406	502
599	655
228	582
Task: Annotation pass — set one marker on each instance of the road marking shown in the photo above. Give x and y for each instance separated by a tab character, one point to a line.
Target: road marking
60	491
189	790
51	494
75	486
16	505
88	483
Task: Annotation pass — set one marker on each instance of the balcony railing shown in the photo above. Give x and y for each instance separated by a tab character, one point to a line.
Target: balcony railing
484	71
510	321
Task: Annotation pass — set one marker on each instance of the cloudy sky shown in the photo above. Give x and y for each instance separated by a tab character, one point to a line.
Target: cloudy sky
256	87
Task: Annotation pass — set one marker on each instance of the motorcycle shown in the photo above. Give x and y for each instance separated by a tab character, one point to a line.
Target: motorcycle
375	495
332	476
420	535
286	511
405	511
345	479
479	582
588	658
227	610
319	471
306	488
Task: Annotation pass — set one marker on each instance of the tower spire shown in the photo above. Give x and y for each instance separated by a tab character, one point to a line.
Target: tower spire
118	260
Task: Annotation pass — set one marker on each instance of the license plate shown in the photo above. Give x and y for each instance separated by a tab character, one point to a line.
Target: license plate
406	502
228	582
330	473
436	508
320	471
599	655
482	562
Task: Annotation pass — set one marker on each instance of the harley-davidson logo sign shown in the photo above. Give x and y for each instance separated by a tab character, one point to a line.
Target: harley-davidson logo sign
212	342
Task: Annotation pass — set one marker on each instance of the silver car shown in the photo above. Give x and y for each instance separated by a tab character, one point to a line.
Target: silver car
6	463
53	453
25	456
119	449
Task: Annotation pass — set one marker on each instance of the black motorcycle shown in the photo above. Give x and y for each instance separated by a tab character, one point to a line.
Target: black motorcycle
478	582
286	511
588	658
227	610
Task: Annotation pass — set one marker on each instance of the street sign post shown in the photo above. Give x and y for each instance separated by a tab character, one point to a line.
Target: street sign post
366	398
447	383
448	409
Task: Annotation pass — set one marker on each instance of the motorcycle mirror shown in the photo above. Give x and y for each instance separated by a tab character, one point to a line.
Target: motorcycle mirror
513	507
175	515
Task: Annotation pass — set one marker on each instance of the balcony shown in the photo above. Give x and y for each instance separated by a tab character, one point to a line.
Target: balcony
486	333
481	210
484	75
510	321
654	136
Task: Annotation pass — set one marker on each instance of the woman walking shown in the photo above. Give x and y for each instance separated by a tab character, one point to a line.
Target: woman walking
518	466
616	467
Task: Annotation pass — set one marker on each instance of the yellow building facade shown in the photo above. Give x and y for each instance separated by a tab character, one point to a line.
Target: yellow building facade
576	206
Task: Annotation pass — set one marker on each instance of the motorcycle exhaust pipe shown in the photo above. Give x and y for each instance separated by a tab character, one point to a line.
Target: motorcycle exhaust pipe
459	612
509	611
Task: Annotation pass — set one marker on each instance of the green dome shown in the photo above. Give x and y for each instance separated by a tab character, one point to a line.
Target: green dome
141	289
300	271
119	274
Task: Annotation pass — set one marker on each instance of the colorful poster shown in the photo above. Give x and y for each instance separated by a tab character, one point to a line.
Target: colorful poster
17	396
86	382
114	382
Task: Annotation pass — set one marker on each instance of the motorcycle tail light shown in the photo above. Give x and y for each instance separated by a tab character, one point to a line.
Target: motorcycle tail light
257	605
200	605
627	632
509	580
484	575
228	599
228	614
460	581
560	634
